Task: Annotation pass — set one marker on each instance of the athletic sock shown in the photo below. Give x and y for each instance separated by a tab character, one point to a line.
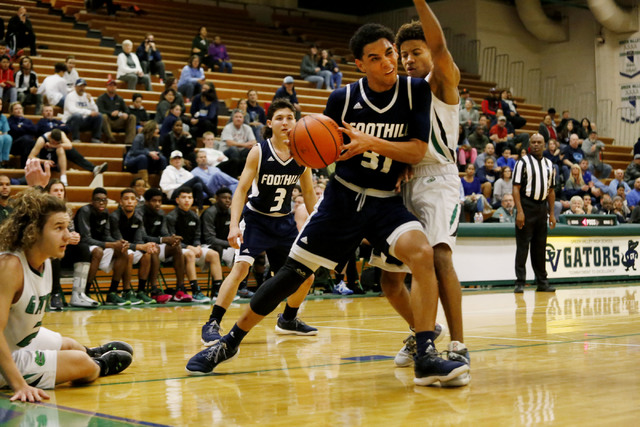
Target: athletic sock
215	284
114	286
217	313
235	336
422	338
142	284
289	313
194	286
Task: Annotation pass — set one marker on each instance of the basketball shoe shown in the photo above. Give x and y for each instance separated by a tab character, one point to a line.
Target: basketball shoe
429	367
294	327
181	296
211	333
113	362
206	361
201	298
405	356
110	346
458	352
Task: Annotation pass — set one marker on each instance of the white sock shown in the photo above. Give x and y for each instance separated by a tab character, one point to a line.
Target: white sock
63	179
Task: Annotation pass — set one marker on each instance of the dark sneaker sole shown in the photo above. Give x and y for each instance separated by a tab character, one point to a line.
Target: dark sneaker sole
425	381
200	373
281	331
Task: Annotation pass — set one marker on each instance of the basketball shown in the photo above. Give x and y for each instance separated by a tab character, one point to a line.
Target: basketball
316	141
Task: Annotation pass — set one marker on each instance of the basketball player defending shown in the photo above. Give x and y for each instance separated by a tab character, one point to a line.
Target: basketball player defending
31	355
268	223
433	195
386	126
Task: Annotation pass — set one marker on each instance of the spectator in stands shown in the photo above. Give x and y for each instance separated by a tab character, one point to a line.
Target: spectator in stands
257	115
507	210
503	185
81	113
200	45
27	85
183	222
216	158
175	177
620	210
145	157
574	184
6	140
166	103
633	170
510	109
150	57
204	111
327	63
127	224
506	159
7	82
553	153
51	147
212	177
466	153
566	132
71	74
487	175
585	128
491	103
468	116
54	87
169	249
20	33
311	72
5	193
572	154
593	149
547	130
464	96
237	139
566	119
129	68
489	151
179	139
47	123
618	179
215	225
23	132
115	114
499	135
588	207
172	83
218	56
191	78
287	91
576	206
473	199
607	208
169	121
138	111
107	254
94	5
634	195
139	185
478	139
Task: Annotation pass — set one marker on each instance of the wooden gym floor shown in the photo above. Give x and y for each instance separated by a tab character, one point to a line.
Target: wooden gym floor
563	359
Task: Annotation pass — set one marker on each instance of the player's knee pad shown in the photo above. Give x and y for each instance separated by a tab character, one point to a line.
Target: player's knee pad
285	283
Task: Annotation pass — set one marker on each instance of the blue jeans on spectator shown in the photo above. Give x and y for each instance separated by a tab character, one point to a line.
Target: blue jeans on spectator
189	89
5	147
145	162
220	179
336	80
76	124
225	66
322	77
10	94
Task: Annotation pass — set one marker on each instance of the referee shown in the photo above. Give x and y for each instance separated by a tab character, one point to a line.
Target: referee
533	183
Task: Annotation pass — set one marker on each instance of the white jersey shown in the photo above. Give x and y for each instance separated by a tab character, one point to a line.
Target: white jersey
25	316
444	133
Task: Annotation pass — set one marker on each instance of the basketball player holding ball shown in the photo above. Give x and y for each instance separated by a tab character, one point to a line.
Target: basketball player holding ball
386	126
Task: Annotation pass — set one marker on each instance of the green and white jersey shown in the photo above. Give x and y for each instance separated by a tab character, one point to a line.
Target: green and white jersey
25	315
443	141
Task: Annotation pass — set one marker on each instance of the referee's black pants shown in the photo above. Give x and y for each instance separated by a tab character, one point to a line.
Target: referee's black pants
533	233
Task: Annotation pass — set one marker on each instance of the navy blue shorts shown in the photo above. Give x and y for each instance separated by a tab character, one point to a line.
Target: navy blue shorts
261	233
336	228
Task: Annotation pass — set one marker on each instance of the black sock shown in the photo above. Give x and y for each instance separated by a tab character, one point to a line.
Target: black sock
289	313
194	286
215	284
217	313
235	336
114	286
423	339
142	284
102	364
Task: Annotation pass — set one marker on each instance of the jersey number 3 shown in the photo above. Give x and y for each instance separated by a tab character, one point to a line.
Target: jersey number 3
371	160
279	199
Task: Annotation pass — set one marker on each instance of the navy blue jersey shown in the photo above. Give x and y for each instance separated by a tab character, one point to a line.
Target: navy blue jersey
272	187
399	114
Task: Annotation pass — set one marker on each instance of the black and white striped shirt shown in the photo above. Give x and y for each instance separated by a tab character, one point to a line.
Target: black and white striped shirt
534	177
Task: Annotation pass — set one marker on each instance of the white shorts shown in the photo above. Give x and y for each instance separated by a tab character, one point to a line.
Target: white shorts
137	255
106	263
200	262
38	361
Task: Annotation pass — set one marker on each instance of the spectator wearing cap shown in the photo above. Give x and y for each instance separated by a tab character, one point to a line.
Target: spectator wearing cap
175	176
54	87
81	113
115	114
593	149
491	103
129	68
464	96
150	57
287	91
633	170
499	135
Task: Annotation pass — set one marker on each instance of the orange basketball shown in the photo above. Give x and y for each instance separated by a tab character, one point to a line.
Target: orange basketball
315	141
